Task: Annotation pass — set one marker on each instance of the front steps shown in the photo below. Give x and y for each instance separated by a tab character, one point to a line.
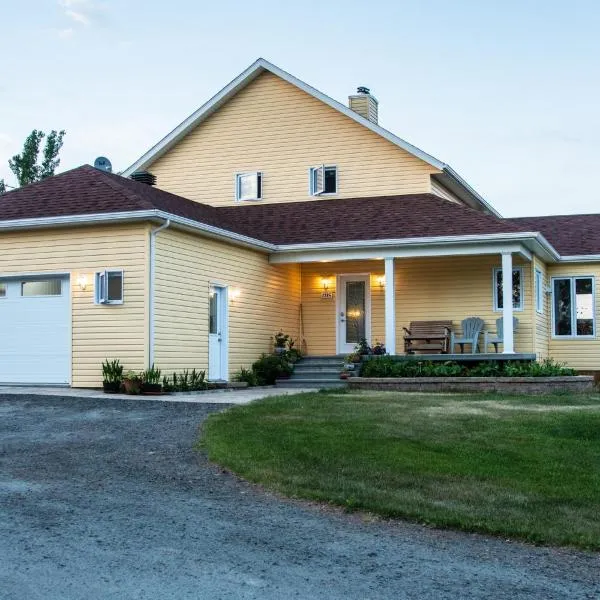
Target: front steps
315	372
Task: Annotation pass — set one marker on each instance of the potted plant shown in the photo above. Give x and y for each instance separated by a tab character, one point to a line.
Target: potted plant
112	376
132	382
379	349
280	341
151	381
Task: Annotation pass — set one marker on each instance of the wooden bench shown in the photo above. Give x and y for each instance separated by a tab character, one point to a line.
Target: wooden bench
427	336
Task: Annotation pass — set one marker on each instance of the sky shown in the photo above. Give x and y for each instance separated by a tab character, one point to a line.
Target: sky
507	93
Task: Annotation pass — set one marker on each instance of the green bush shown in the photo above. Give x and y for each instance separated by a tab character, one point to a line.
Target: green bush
386	366
269	367
187	381
246	375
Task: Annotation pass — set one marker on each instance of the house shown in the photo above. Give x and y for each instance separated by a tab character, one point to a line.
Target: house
275	207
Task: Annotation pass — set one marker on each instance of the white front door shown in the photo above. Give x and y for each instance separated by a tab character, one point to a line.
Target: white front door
353	311
35	330
217	334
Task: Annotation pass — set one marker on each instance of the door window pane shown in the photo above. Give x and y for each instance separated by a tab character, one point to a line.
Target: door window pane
584	306
355	311
41	287
562	307
212	312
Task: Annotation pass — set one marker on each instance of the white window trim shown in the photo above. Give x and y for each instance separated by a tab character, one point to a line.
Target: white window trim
311	191
539	292
97	298
236	181
519	308
572	278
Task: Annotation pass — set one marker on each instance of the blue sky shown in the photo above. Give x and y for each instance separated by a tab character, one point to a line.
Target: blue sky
508	93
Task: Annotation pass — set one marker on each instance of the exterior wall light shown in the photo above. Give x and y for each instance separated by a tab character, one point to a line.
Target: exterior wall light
381	281
82	282
235	294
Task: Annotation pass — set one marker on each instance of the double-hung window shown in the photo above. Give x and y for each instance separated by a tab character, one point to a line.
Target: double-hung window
248	186
573	313
517	289
109	287
323	180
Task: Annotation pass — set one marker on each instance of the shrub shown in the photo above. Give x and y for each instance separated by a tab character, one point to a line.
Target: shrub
386	366
246	375
187	381
269	367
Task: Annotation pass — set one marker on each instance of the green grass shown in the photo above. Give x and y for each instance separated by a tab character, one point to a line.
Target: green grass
522	467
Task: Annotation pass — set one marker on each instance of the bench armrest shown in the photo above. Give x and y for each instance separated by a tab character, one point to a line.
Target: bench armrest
407	331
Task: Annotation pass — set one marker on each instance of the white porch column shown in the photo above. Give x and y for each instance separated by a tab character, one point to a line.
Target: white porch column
390	307
507	303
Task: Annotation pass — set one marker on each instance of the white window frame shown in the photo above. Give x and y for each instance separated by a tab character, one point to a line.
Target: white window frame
311	184
258	175
101	286
539	292
521	306
574	336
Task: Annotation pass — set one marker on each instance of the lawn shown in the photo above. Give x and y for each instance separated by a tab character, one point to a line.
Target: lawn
522	467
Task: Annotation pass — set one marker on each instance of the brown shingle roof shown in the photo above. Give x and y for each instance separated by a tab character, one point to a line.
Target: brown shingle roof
87	190
569	234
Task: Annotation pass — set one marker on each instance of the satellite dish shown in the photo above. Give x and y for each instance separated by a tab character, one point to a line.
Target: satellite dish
103	164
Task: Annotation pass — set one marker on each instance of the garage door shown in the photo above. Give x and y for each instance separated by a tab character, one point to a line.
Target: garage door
35	331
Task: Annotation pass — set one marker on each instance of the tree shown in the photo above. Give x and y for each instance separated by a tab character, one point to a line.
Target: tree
25	165
2	187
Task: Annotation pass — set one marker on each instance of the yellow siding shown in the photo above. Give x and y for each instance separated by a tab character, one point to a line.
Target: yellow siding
186	265
542	320
583	354
430	288
98	332
273	127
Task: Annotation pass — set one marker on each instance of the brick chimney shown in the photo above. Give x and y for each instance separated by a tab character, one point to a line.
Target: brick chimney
364	104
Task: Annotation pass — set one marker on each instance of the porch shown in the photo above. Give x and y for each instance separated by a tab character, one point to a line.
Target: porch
347	295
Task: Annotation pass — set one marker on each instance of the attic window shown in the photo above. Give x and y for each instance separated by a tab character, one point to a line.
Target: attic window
323	180
248	186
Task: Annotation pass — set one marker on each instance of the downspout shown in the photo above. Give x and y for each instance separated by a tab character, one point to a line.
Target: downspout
153	234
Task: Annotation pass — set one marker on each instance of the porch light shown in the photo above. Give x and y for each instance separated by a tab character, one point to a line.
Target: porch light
381	281
325	282
82	282
234	294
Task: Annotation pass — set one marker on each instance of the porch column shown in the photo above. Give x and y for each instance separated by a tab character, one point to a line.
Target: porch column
507	303
390	307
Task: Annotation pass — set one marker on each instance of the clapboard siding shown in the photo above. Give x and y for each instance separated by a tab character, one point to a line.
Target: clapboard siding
451	288
582	354
186	266
542	320
98	332
273	127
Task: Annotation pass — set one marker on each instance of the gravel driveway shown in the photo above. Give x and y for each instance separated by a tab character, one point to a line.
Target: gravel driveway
103	498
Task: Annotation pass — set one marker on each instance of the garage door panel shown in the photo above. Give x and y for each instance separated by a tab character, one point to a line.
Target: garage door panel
35	342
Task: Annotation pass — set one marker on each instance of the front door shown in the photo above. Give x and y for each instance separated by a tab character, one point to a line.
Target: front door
353	311
217	334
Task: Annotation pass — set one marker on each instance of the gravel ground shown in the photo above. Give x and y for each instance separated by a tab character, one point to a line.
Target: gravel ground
104	498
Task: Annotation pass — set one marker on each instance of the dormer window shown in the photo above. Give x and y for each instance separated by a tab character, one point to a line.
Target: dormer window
248	186
323	180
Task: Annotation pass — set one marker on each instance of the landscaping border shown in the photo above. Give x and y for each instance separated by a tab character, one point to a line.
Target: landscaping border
577	384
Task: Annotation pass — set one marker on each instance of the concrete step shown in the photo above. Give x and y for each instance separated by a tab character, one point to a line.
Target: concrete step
321	362
303	375
302	368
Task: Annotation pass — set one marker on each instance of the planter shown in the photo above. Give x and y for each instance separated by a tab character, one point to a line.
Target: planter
132	386
111	387
577	384
151	389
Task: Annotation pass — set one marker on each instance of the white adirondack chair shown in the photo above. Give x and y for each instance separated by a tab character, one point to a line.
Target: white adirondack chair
471	328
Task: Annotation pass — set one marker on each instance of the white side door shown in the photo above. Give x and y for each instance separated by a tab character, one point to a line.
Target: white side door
217	334
353	311
35	330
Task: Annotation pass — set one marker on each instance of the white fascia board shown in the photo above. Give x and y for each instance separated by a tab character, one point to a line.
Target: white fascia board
397	252
580	258
242	81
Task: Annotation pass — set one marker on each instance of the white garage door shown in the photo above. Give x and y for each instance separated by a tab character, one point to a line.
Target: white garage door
35	331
